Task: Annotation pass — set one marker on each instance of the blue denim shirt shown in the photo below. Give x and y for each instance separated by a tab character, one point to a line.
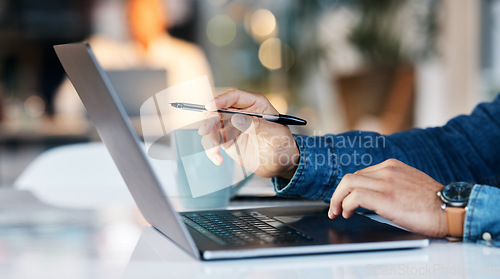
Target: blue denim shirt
466	149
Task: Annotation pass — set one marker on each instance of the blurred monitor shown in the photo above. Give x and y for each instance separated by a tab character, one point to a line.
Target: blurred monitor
135	86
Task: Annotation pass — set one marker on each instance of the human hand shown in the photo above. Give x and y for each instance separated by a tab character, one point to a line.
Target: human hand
265	148
395	191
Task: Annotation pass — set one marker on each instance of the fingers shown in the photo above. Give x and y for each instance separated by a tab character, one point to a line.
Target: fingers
211	137
230	134
396	192
211	144
362	198
217	132
209	124
349	183
240	99
232	98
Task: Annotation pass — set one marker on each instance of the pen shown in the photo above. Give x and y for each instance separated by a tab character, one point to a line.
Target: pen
277	118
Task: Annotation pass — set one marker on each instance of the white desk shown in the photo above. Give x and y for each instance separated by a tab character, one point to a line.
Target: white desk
37	241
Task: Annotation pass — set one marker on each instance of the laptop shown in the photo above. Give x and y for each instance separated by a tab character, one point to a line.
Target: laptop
216	234
135	86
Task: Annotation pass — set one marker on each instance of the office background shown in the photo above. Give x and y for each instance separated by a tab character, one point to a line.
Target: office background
383	65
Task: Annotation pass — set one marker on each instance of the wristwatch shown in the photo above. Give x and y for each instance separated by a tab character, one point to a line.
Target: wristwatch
455	197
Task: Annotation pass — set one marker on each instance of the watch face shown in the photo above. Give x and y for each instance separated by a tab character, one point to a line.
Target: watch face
458	192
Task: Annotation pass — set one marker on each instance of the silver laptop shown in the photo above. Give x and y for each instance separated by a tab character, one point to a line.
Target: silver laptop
216	234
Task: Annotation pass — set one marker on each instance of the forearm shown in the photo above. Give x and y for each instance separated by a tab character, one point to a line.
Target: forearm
463	150
325	160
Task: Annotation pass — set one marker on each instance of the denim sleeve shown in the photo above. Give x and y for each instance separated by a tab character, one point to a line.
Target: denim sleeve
315	175
465	149
326	159
482	223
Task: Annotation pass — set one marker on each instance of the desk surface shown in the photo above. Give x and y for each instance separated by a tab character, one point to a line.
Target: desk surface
38	241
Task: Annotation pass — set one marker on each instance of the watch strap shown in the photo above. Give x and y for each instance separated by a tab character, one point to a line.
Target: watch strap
455	217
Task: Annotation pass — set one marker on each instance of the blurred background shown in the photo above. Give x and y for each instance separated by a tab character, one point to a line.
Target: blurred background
385	65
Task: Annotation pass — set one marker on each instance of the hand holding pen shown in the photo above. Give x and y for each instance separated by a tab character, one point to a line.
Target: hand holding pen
265	148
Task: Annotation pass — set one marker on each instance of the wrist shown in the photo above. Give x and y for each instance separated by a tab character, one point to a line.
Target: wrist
291	168
454	197
288	174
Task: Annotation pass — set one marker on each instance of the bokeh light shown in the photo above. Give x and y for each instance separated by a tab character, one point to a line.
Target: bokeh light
221	30
278	101
262	24
34	106
270	54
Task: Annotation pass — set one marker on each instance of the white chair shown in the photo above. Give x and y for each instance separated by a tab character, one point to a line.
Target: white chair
77	175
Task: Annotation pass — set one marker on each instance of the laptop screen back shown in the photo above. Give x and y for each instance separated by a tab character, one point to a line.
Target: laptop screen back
121	140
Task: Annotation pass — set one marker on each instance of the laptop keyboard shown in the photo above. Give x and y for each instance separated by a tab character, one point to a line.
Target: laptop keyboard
243	228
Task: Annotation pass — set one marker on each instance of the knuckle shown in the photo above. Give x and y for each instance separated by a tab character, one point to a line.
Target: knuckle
392	162
355	195
259	97
384	187
335	204
228	91
349	203
388	172
388	187
349	178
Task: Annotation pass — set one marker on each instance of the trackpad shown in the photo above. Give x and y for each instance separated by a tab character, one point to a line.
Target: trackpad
355	229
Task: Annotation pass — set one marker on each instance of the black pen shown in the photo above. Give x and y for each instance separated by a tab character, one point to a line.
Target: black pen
277	118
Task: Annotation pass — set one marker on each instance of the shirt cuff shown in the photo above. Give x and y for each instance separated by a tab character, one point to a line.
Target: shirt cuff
481	218
314	176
